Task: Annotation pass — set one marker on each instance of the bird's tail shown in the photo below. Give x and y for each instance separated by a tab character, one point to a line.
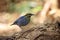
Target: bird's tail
12	24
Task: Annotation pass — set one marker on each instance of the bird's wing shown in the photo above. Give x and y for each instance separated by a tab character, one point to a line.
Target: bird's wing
17	20
24	21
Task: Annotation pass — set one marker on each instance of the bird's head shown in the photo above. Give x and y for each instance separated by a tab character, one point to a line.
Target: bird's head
29	14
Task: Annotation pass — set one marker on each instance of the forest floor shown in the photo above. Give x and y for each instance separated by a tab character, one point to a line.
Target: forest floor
47	31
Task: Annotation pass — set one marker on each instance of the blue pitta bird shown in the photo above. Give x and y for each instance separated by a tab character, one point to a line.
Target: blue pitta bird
24	20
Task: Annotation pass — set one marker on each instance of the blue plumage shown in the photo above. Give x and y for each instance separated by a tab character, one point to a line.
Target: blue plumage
22	21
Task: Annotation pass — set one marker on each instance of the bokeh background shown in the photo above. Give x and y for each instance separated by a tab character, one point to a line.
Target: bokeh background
10	10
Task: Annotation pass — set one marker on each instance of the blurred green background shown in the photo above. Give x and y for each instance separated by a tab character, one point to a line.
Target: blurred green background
12	9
